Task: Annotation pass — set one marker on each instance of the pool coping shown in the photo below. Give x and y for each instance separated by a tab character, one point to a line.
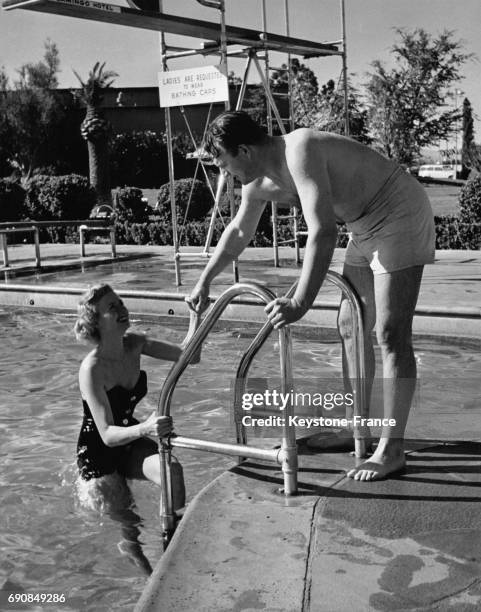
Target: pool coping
430	321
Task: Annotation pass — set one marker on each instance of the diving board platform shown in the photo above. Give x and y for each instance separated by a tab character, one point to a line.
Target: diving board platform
174	24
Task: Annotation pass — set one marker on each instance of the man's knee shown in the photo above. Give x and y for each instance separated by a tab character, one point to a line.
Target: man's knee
394	336
345	322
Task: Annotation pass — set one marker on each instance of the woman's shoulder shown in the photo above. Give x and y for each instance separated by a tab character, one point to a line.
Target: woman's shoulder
91	368
90	361
134	341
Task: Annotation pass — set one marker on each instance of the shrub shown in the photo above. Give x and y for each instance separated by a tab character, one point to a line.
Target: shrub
59	197
129	205
12	201
452	233
201	200
470	201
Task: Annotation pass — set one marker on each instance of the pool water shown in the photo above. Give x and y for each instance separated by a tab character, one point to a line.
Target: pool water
48	541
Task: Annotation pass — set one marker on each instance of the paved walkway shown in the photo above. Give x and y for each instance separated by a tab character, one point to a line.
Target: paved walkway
451	288
454	281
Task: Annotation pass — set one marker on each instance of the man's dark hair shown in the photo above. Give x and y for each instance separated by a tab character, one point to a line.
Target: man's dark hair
231	129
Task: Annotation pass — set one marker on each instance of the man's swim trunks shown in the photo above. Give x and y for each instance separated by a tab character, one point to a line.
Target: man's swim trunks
94	458
396	231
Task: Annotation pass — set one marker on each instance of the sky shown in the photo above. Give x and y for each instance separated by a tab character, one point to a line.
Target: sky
134	53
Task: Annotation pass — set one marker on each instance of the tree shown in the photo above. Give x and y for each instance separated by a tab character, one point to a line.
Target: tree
323	108
406	102
29	113
470	157
96	130
304	91
331	112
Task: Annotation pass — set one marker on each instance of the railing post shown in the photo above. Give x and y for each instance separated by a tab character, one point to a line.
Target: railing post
36	239
112	241
82	228
5	250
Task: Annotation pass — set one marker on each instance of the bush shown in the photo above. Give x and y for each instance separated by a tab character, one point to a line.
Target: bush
59	197
129	205
201	200
12	201
470	201
452	233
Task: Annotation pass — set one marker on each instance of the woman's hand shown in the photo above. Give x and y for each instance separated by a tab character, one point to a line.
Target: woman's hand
157	426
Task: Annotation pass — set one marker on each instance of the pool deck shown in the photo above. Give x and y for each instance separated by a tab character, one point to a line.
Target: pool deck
449	301
412	542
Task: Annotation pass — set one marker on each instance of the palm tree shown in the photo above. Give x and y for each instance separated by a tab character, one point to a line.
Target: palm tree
96	130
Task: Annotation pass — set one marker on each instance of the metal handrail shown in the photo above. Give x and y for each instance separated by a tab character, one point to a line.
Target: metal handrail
360	406
286	455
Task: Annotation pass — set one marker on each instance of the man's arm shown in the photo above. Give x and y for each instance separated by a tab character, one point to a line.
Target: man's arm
309	172
233	241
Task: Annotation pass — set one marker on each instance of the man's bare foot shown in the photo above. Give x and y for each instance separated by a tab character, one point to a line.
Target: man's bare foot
383	463
342	440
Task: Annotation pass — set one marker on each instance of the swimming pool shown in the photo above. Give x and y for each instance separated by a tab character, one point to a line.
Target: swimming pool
49	542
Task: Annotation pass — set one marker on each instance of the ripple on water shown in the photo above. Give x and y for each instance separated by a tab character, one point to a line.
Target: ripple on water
47	539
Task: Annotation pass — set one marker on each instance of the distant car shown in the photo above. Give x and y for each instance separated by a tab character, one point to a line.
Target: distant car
440	171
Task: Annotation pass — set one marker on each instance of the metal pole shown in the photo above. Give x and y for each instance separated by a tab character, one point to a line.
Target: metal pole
295	212
5	250
288	443
218	196
112	241
36	239
360	405
344	69
266	64
170	155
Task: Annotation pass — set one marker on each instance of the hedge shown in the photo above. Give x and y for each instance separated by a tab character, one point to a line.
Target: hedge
129	205
451	233
187	192
59	197
470	201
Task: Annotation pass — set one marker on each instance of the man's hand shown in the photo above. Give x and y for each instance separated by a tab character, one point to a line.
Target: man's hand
199	298
283	311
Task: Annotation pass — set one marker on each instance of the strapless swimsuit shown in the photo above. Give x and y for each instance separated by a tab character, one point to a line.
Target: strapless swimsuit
94	458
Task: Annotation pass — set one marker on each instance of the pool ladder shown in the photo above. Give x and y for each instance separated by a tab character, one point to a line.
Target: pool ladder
286	455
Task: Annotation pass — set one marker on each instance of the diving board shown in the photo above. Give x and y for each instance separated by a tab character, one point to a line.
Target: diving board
174	24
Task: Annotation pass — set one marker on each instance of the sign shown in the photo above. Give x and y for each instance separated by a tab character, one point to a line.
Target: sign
192	86
92	4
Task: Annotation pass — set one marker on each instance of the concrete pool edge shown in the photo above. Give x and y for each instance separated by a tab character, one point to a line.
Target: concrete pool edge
430	321
240	546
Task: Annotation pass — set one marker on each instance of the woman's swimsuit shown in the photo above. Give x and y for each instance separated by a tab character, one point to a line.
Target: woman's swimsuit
94	458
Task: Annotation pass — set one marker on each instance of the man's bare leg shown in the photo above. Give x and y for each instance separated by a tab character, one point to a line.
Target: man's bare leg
361	279
396	295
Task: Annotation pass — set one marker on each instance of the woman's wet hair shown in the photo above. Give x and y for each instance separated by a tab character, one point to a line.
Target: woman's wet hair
231	129
86	327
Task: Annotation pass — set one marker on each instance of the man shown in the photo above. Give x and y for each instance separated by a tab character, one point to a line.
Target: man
334	178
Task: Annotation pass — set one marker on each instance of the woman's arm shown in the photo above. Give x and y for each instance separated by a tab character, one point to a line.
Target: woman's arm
93	391
168	351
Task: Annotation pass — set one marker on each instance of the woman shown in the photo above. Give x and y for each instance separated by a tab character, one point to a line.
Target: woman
112	444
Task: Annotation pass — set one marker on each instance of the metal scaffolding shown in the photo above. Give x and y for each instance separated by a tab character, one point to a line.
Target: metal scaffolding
217	39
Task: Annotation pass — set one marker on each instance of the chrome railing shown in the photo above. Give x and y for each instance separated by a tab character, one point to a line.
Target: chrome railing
286	455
